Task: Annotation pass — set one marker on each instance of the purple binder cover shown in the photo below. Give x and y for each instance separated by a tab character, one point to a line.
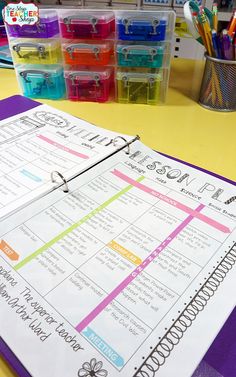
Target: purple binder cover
201	169
9	107
222	353
12	360
15	105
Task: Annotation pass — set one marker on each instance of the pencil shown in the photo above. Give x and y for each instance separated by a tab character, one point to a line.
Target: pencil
232	26
215	16
199	27
207	32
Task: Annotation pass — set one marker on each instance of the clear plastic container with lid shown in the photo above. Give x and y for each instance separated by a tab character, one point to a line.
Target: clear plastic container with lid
38	51
44	81
140	55
88	52
94	85
145	25
47	27
138	87
86	24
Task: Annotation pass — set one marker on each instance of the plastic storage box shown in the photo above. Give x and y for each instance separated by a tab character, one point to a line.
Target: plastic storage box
95	43
38	51
87	24
138	55
89	85
141	26
47	26
143	52
91	53
41	81
136	87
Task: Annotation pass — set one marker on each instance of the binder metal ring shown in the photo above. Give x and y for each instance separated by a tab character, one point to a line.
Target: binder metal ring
55	172
127	144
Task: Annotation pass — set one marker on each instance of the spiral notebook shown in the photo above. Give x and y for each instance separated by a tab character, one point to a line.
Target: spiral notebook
130	272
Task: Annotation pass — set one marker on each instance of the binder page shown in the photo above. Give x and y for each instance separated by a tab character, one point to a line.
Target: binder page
111	278
42	140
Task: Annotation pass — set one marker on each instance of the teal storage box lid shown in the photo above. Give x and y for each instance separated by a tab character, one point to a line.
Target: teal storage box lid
139	55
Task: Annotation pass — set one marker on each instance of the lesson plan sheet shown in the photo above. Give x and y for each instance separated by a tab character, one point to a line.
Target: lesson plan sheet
106	279
37	142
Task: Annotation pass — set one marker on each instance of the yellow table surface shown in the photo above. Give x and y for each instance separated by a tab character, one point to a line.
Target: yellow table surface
180	128
5	371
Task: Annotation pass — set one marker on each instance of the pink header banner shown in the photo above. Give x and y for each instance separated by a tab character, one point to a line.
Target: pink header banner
172	202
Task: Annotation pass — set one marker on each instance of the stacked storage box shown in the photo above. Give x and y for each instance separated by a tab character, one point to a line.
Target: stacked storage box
143	56
106	54
36	53
88	52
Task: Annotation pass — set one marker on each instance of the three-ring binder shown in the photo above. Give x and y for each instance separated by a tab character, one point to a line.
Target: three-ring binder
55	172
127	143
65	183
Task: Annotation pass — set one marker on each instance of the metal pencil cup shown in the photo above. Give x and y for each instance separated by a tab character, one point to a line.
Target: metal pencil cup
218	90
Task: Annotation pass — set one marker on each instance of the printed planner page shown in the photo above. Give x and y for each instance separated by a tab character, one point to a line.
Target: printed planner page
40	141
106	279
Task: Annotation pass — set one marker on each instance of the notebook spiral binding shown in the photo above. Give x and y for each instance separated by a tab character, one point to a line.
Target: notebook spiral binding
231	200
172	337
55	172
127	143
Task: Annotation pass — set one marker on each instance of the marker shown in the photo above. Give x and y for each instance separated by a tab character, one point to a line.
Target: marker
227	47
235	48
216	44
